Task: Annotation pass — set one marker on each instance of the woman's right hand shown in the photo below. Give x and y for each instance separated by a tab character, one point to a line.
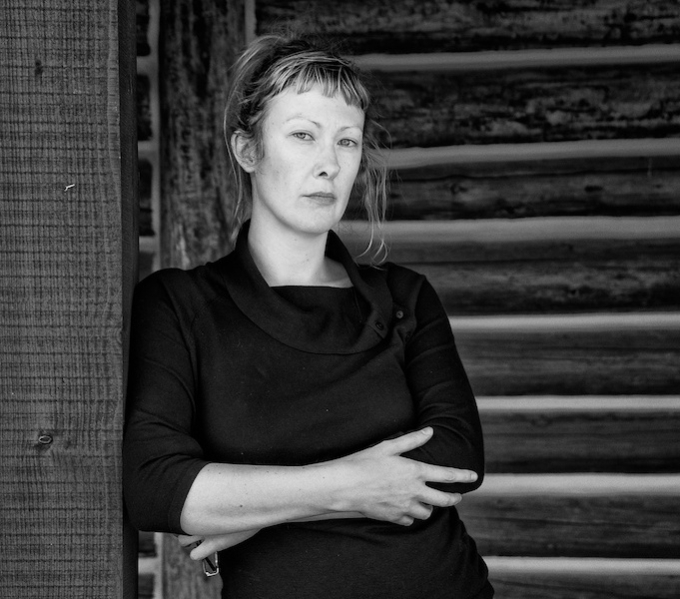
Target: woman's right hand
203	546
383	485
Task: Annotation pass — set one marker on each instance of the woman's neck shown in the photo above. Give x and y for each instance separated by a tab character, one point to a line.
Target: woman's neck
294	260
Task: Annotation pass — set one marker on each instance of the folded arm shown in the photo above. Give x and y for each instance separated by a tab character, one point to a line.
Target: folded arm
170	486
442	394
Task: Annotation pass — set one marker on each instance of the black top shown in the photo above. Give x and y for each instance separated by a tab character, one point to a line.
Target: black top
225	368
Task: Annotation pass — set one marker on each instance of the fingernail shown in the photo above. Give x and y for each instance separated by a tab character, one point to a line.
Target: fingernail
427	430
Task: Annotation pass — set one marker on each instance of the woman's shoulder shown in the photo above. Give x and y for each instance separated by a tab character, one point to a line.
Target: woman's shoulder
178	286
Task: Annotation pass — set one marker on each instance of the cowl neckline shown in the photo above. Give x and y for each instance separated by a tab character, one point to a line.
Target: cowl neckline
297	324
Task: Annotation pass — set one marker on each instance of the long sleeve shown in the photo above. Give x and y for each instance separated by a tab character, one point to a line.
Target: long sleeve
161	458
442	393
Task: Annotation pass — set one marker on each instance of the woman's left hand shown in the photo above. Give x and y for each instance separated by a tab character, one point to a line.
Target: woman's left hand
204	546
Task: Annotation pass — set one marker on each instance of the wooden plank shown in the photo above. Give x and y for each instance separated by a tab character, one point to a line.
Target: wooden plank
496	239
535	105
631	186
584	434
199	40
592	578
594	281
459	26
547	265
146	586
580	355
626	516
500	156
496	60
129	234
67	245
143	19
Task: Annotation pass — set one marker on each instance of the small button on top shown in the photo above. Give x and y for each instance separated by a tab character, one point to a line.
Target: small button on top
399	314
379	325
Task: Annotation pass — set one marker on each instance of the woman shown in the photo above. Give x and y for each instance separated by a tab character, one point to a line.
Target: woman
307	417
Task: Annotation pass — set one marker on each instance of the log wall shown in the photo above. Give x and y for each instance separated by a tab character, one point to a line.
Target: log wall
535	162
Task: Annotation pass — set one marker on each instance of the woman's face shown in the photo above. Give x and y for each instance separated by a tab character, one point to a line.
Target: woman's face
311	154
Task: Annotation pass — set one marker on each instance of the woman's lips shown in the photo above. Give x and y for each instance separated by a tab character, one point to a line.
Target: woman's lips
322	195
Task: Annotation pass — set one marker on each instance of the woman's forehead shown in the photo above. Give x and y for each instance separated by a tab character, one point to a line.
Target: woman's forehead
314	104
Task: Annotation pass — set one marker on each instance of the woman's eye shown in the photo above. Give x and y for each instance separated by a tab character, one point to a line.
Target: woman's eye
302	135
349	143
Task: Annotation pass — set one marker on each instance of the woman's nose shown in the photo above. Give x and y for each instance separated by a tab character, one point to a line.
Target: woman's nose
327	165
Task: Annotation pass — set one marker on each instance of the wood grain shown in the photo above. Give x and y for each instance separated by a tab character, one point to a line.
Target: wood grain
67	196
544	265
574	525
620	186
646	276
455	26
537	105
199	43
549	359
564	584
588	434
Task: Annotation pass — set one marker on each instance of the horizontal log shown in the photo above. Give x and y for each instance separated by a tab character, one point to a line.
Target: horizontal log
631	516
565	404
408	26
625	322
500	239
582	187
590	434
142	27
535	105
594	282
147	544
145	586
534	157
144	191
494	60
144	125
559	578
541	265
594	355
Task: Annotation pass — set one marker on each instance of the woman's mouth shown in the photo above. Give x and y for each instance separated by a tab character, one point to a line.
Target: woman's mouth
323	196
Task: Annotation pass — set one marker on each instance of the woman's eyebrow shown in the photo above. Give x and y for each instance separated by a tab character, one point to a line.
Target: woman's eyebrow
303	118
318	125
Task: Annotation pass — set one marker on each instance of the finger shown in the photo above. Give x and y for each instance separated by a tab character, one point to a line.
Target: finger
421	511
202	551
440	498
187	540
442	474
409	441
405	521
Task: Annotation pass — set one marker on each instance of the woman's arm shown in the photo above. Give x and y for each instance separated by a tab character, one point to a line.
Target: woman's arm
377	482
442	394
171	487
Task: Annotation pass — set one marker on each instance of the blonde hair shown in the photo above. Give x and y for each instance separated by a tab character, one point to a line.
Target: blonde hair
274	63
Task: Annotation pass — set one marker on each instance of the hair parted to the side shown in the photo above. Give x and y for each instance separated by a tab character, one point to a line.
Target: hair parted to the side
274	63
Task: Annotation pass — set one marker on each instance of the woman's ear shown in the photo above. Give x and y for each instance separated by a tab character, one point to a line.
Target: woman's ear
243	148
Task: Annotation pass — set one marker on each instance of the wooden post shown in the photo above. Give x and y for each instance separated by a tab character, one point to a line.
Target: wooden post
67	265
198	43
